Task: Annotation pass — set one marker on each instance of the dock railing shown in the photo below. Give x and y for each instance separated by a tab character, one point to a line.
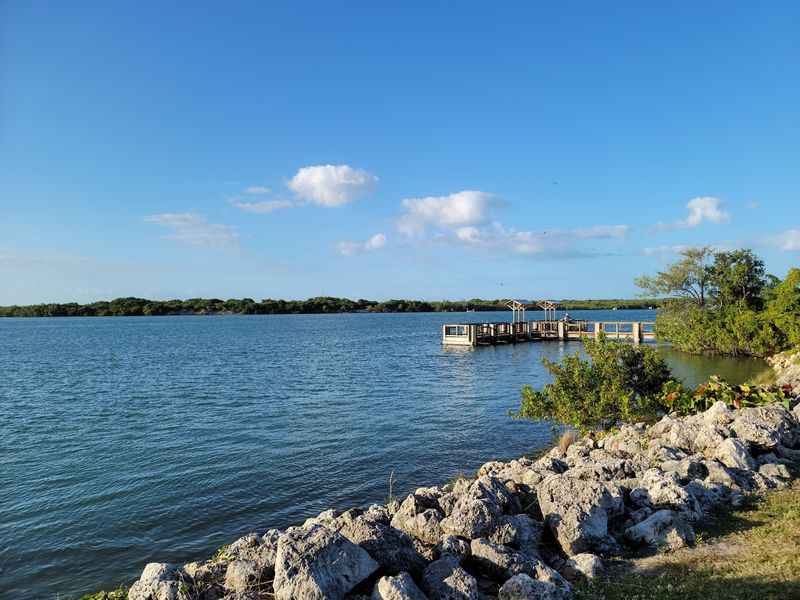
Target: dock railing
478	334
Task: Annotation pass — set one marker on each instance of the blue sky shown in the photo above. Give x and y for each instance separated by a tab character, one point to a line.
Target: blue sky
427	150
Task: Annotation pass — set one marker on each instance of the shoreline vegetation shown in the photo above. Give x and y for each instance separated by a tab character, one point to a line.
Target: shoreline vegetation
132	306
724	302
607	513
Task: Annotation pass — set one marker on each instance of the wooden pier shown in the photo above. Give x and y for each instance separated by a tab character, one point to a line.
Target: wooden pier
485	334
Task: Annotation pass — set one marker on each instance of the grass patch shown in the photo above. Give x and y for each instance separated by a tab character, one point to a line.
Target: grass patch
221	553
752	553
765	377
119	594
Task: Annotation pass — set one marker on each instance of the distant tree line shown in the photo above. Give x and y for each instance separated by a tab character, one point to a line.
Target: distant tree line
726	303
268	306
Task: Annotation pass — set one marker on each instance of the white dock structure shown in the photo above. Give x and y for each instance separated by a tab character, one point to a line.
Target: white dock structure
549	328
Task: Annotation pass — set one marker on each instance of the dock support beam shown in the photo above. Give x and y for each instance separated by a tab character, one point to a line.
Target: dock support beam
562	330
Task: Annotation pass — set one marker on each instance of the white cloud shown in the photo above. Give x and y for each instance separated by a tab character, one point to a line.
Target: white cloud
376	242
665	249
331	185
465	208
553	242
194	229
597	232
705	208
701	209
264	207
790	240
469	235
257	190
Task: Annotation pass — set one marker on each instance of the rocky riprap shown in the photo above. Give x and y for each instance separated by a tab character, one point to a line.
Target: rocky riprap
787	370
525	529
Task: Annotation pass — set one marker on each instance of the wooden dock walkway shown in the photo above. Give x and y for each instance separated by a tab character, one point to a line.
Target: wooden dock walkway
485	334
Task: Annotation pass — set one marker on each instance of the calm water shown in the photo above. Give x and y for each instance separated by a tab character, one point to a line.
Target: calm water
126	440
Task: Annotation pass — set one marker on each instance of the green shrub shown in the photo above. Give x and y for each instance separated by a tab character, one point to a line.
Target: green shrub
676	398
619	382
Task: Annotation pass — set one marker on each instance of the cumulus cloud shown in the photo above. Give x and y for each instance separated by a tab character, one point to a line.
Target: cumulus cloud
257	190
331	185
790	240
376	242
701	209
194	229
458	210
263	207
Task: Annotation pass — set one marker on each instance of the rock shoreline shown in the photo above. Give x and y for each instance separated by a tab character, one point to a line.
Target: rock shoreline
521	530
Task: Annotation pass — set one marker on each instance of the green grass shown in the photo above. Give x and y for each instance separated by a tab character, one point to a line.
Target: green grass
119	594
752	553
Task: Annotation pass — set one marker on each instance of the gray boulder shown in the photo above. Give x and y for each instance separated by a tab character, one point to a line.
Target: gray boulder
718	414
477	512
399	587
520	532
419	516
444	579
393	549
242	575
776	474
455	546
261	550
158	581
578	512
661	490
662	529
766	427
583	566
500	562
733	453
524	587
319	564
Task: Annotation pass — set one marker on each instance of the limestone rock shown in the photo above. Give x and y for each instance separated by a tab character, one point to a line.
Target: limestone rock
661	490
733	453
454	545
419	516
399	587
241	575
444	579
664	528
319	564
766	426
479	509
524	587
500	562
584	565
392	548
577	512
520	532
718	414
157	582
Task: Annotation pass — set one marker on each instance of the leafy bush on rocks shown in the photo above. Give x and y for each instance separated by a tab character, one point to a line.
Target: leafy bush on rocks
676	398
620	382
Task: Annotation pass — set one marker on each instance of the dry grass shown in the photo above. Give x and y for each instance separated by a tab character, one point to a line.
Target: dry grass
567	439
749	554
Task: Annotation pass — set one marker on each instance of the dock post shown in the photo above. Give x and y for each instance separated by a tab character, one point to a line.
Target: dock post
636	328
562	330
598	329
